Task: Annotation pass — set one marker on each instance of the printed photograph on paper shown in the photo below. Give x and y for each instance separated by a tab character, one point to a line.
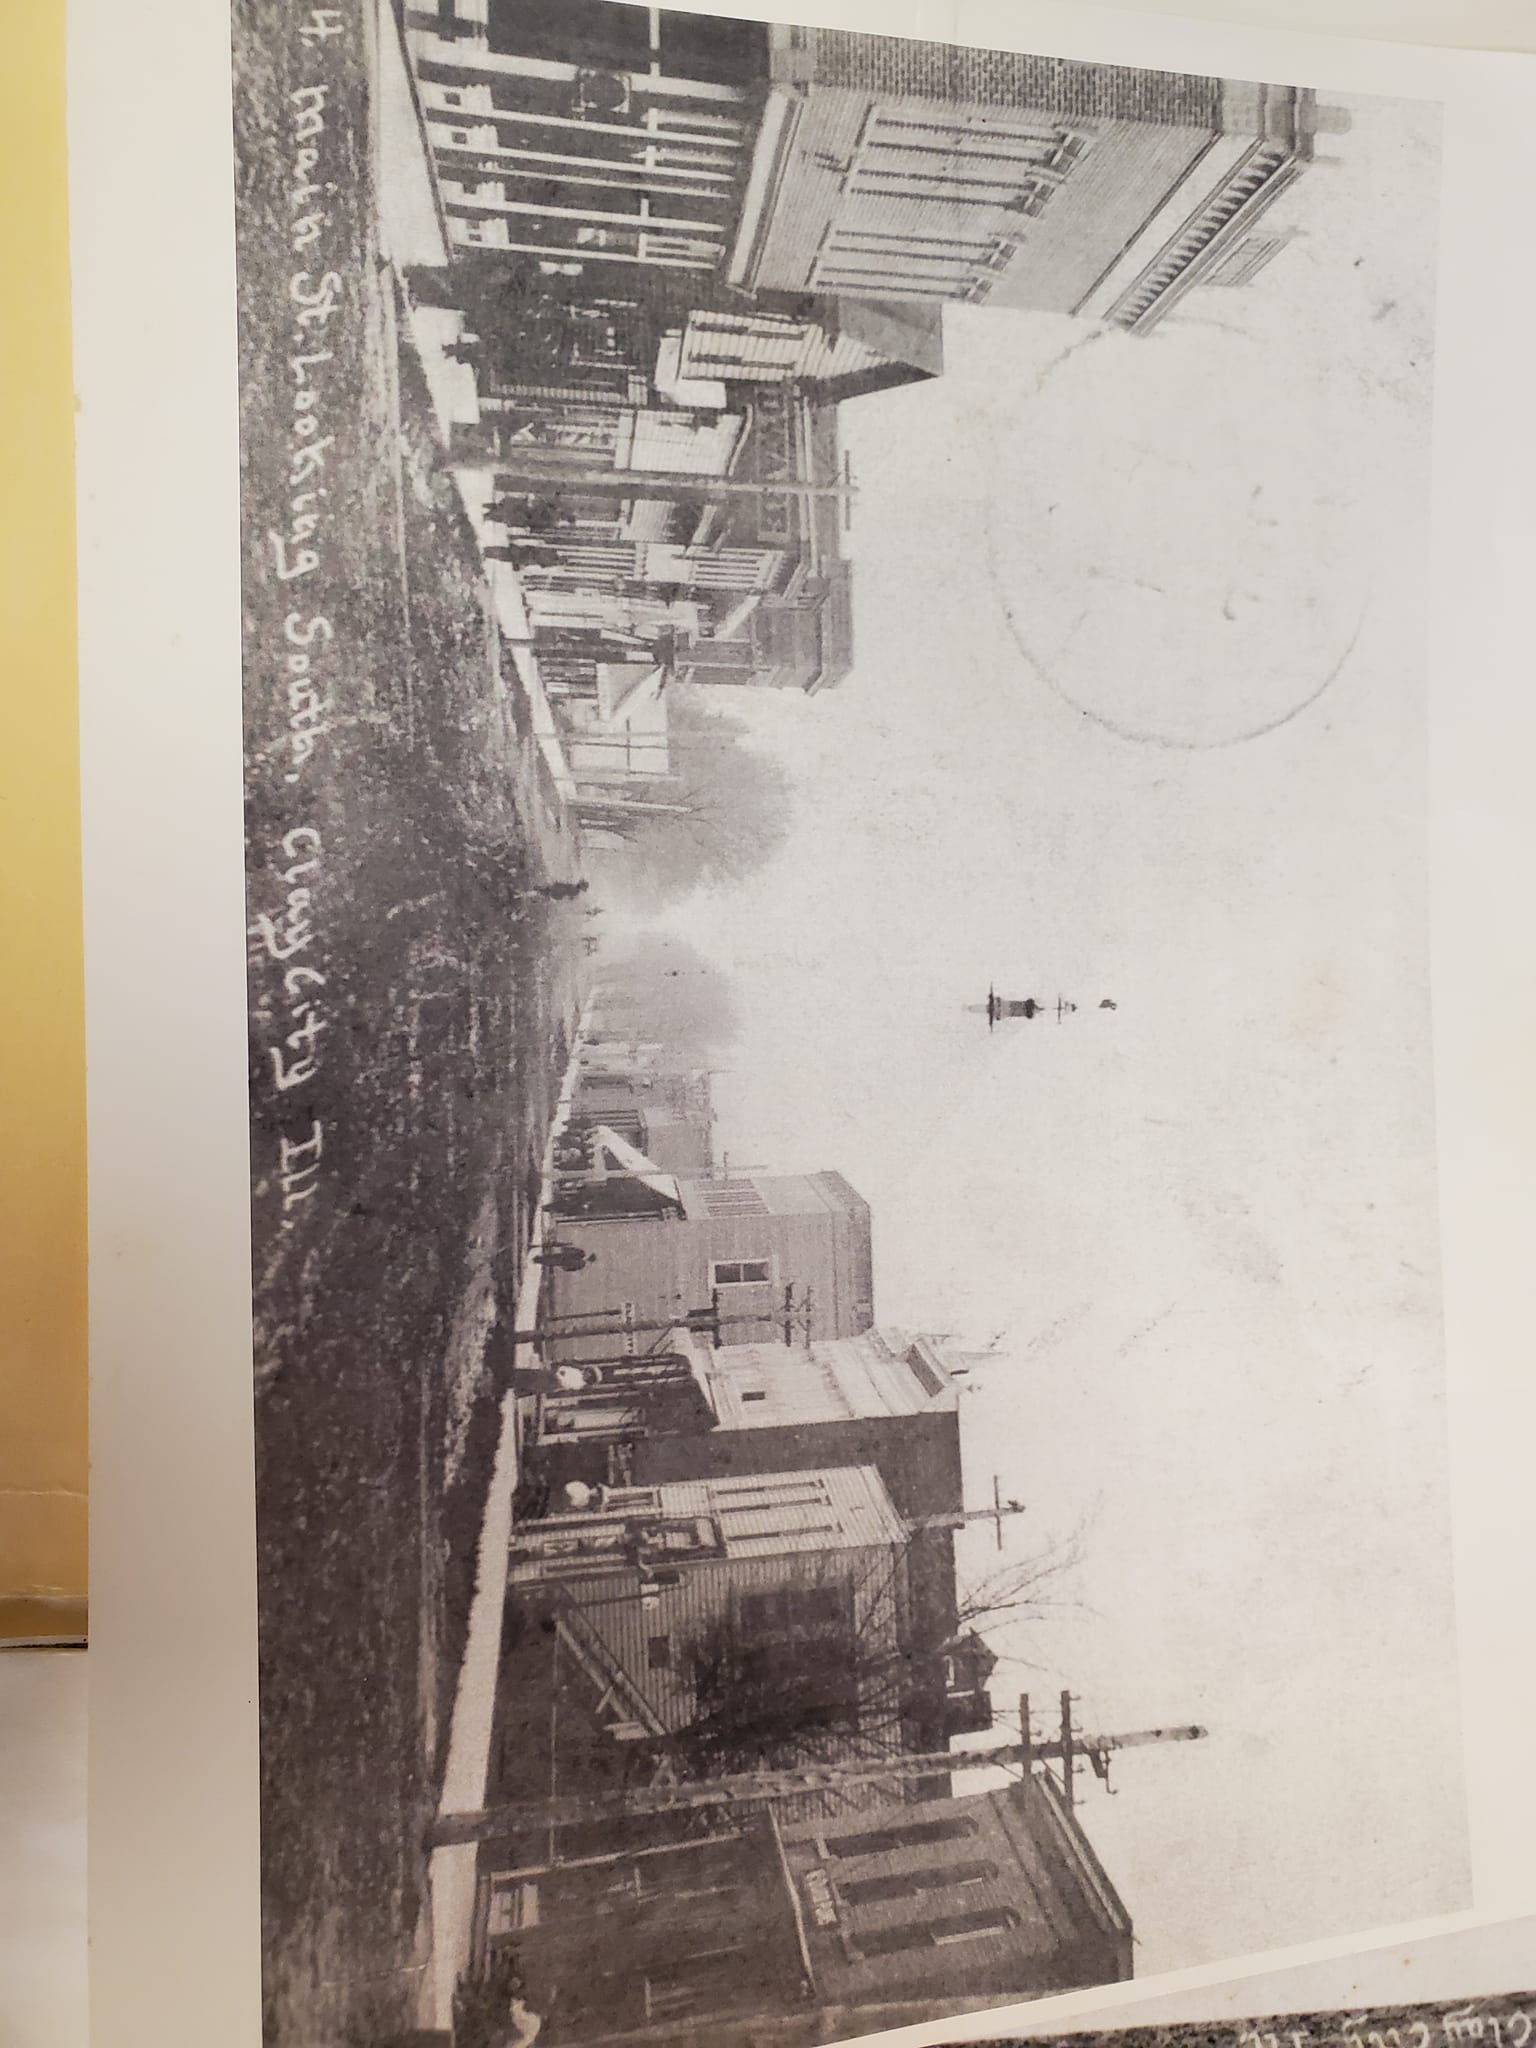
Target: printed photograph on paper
848	1365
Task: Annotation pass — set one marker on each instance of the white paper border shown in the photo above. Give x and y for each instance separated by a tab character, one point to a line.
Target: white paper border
174	1877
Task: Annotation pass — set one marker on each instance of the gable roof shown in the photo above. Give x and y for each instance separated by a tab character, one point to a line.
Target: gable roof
909	334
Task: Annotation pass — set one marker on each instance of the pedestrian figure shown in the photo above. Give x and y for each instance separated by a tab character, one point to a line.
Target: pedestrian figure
531	515
524	554
569	1258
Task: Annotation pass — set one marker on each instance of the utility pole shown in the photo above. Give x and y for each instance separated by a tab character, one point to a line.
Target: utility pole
1071	1747
756	1787
998	1509
997	1514
664	485
794	1314
599	800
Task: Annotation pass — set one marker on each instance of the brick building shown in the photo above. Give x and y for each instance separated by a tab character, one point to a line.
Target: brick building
631	1943
908	170
877	1397
985	1896
797	1932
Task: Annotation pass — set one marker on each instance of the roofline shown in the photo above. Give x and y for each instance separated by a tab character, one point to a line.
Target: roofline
793	1895
771	151
1097	1878
887	376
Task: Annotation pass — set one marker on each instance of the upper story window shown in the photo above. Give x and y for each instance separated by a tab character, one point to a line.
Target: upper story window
740	1272
771	1486
798	1613
733	1198
942	1932
910	1884
913	1835
632	1499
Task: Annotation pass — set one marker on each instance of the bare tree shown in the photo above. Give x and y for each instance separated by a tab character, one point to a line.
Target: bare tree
721	814
871	1685
663	989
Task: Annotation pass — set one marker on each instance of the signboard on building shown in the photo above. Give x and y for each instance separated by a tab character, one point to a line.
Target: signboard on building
819	1900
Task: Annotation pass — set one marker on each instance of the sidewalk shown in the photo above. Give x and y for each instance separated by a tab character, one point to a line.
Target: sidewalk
411	236
411	232
466	1776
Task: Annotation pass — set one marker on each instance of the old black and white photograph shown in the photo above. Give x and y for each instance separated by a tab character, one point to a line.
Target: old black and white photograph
849	1379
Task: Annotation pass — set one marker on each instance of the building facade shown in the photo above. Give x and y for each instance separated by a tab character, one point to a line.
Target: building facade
662	1246
753	1412
629	1944
713	526
800	1932
907	170
837	349
666	1114
877	1397
633	157
771	1608
986	1894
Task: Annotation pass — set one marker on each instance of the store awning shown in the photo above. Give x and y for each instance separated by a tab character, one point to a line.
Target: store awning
634	1162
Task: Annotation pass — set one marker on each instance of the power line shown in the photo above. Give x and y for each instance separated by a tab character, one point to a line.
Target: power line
754	1787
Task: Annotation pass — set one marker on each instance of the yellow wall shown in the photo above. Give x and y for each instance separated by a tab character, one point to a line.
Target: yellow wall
42	1049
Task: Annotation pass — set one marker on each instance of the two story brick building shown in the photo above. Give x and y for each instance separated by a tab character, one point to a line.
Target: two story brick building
773	1930
906	170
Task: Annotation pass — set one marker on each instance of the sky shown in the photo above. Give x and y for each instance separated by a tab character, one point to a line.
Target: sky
1138	712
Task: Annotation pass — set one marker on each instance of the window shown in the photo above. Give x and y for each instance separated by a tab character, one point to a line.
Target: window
659	1653
683	1534
481	234
943	1932
740	1272
734	1198
693	1984
914	1835
791	1611
756	1394
514	1904
824	1606
909	1884
798	1491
